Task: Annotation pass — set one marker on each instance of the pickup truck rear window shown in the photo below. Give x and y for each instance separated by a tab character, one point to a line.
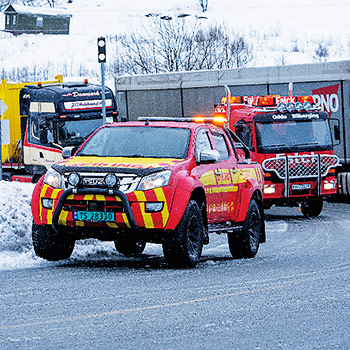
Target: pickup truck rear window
138	142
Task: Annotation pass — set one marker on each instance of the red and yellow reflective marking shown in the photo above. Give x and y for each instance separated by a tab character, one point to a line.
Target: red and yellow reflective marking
147	217
137	200
161	198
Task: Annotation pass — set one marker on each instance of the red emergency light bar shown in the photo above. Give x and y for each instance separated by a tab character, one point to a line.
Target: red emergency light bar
267	101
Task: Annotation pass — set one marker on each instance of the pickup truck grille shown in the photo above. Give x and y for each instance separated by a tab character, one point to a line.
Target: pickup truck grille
300	166
93	205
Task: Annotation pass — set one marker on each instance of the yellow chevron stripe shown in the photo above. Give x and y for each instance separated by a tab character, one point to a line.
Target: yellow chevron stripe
126	221
42	195
62	220
147	217
112	224
221	189
161	198
100	197
88	197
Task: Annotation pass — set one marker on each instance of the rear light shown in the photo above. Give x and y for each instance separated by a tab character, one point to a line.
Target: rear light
199	119
86	81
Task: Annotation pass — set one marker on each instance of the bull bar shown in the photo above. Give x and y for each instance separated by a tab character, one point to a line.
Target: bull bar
103	191
303	166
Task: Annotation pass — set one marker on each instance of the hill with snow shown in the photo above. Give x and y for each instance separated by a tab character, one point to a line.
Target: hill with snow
285	32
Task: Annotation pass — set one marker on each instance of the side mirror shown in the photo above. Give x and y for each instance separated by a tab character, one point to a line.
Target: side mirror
209	156
68	152
337	132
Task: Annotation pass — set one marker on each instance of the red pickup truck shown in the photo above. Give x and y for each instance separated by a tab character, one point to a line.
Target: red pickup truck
159	180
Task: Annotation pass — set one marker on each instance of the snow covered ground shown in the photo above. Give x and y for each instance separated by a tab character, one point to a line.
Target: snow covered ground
16	250
286	32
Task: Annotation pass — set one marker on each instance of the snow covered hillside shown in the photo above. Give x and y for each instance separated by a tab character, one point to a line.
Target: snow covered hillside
285	32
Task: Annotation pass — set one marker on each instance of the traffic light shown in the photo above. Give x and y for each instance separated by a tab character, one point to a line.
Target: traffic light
101	44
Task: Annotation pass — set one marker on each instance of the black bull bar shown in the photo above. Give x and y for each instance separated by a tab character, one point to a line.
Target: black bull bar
103	191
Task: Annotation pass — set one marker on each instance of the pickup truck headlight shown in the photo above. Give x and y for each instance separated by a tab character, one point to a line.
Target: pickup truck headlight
53	178
155	180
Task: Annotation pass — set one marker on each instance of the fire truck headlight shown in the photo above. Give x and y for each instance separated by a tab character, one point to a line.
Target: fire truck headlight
307	106
290	107
151	181
281	107
329	186
53	178
299	106
269	189
74	179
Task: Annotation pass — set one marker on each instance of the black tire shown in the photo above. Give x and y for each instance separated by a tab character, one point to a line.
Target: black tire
128	246
312	207
183	247
245	243
7	177
49	245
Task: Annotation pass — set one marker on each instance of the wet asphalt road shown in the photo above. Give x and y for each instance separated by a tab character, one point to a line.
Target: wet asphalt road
294	295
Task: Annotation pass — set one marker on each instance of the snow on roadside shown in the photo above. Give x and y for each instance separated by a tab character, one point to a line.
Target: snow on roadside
16	250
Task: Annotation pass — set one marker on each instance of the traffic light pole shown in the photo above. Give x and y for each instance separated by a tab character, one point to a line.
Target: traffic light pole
101	45
103	92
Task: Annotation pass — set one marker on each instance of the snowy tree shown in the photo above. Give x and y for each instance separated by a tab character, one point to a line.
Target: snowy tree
170	46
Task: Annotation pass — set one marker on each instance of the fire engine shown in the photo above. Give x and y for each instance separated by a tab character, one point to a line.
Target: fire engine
290	137
41	118
160	180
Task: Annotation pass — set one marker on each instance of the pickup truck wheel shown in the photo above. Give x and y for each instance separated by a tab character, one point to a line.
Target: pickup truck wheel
245	243
312	207
49	245
129	247
183	247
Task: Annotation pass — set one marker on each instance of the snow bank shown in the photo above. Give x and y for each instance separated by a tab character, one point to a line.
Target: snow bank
16	250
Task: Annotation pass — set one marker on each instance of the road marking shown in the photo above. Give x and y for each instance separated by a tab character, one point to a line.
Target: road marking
145	308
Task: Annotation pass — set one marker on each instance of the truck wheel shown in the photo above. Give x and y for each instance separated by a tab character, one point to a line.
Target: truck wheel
245	243
49	245
7	177
129	247
312	207
183	247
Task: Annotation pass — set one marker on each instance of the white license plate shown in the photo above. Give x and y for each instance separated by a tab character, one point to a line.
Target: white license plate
301	186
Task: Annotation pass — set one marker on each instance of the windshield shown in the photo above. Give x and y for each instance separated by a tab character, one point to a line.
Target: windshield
75	132
146	142
292	136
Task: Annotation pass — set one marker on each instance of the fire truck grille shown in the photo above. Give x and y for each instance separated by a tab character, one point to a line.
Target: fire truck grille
300	166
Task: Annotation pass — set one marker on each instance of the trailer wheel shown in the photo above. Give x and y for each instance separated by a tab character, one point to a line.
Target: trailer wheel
312	207
183	247
49	245
245	243
129	247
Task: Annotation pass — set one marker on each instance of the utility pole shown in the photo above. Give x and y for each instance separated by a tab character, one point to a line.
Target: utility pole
101	44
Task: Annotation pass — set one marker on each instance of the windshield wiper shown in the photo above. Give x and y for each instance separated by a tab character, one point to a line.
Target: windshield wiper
89	155
305	144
